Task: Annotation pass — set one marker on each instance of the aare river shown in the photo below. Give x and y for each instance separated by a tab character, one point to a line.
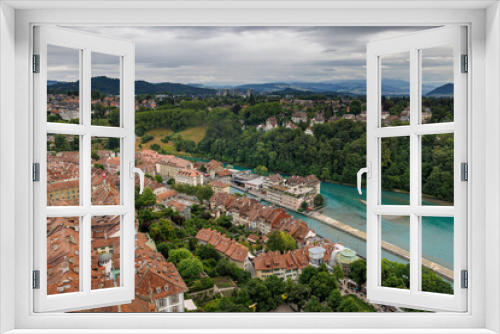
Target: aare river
344	204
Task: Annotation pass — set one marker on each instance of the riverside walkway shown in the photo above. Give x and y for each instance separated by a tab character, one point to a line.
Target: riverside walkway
438	269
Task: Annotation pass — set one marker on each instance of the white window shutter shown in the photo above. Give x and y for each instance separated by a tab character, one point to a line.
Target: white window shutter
413	44
75	291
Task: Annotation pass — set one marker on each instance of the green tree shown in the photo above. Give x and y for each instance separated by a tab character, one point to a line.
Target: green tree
355	107
251	100
261	170
204	193
334	299
114	117
304	205
307	274
338	273
298	294
95	94
280	241
431	282
95	156
177	255
147	138
225	305
395	275
154	232
319	200
322	285
313	305
357	271
164	248
158	178
260	294
226	268
276	287
206	252
166	229
225	221
189	267
147	198
61	143
347	305
113	143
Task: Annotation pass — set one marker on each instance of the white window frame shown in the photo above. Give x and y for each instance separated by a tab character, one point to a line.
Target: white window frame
412	44
86	44
484	102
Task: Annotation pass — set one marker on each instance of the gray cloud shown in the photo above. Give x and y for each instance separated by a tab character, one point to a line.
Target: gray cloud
234	55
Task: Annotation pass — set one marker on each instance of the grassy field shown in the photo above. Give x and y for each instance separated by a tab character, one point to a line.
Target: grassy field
195	134
362	306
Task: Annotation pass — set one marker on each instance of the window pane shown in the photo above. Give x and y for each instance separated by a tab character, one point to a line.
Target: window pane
395	271
437	253
63	170
63	84
395	72
105	252
63	255
105	173
395	166
105	90
437	169
437	84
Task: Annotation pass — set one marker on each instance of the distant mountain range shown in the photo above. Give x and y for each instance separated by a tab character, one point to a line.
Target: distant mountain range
355	87
107	85
444	90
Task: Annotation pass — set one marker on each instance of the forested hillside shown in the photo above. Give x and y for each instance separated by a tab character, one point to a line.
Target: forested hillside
335	153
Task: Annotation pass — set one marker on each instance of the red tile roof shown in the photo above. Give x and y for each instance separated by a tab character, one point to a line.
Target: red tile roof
223	244
176	205
166	195
189	172
219	184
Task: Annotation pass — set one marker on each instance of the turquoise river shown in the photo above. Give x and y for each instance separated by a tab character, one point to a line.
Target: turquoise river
344	204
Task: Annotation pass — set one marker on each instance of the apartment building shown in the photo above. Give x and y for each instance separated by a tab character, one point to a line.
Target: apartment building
220	187
169	165
293	191
191	177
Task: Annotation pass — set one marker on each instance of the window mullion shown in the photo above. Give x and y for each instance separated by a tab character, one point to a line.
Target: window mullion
86	171
85	253
414	174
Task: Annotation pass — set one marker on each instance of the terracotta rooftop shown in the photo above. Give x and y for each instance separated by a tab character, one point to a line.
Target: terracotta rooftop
219	184
223	244
176	205
166	195
189	172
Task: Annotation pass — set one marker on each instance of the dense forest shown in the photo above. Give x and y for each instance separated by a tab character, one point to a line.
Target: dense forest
335	153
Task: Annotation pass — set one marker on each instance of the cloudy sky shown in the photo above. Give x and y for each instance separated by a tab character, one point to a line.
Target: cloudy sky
237	55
